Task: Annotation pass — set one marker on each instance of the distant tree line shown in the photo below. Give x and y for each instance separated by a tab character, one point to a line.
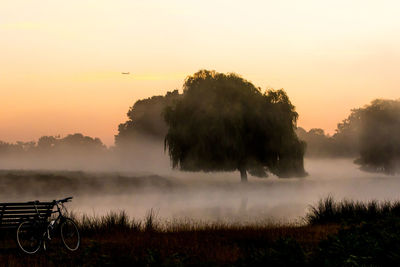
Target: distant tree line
222	122
48	144
73	151
321	145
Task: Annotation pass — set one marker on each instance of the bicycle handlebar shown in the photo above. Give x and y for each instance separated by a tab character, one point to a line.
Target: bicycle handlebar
68	199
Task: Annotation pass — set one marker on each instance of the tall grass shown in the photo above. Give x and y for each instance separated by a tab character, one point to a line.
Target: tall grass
111	223
120	222
348	211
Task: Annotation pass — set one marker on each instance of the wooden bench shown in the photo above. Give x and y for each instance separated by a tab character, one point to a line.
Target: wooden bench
12	214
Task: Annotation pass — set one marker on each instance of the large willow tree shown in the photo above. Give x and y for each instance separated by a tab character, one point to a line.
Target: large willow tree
224	123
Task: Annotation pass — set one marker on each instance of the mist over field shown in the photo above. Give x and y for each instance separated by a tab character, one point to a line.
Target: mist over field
198	196
143	171
216	141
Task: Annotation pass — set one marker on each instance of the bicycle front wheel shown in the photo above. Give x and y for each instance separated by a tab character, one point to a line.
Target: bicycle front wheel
28	237
70	234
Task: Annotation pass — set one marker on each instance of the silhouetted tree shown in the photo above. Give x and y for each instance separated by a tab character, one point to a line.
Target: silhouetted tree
71	143
224	123
318	143
81	142
342	144
379	135
16	148
145	118
346	138
47	143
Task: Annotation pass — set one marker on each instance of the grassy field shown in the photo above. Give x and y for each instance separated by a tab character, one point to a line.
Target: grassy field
114	240
334	234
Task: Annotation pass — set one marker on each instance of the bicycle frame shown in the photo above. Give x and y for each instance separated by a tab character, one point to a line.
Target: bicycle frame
51	226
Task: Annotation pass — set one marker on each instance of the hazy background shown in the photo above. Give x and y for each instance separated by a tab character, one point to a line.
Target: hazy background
60	73
61	62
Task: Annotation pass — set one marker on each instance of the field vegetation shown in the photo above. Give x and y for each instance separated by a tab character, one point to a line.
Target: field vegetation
345	233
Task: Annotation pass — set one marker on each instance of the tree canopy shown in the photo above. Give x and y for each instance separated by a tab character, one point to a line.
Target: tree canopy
344	143
379	135
74	151
72	143
145	118
223	123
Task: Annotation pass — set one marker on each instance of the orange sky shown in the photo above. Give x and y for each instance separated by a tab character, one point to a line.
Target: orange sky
61	61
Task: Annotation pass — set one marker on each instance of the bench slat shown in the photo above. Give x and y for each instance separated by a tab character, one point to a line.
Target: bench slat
14	221
18	220
25	212
30	211
10	216
27	204
27	208
21	206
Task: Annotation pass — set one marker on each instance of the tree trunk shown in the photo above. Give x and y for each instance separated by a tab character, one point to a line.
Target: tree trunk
243	175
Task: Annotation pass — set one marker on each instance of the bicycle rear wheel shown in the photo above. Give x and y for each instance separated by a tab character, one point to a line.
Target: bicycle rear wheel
28	237
70	234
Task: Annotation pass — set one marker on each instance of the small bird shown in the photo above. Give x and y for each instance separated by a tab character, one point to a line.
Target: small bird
127	73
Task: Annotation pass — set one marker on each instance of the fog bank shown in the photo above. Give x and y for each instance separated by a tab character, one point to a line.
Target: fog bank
200	196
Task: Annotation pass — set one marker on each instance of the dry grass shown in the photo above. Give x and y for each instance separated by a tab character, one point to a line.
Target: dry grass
115	239
329	211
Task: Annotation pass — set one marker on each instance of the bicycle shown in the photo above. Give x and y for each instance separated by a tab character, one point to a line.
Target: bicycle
32	234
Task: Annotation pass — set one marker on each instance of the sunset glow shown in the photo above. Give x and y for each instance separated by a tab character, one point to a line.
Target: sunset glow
61	62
